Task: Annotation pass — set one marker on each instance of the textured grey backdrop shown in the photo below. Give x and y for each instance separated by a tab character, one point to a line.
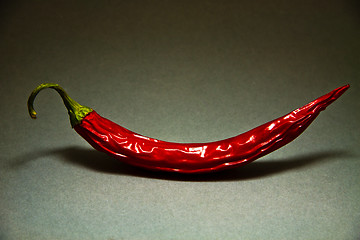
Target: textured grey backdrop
185	71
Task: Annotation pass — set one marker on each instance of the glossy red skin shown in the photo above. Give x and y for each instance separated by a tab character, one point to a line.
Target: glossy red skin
135	149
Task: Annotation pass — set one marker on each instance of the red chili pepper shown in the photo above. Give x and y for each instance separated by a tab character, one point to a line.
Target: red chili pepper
135	149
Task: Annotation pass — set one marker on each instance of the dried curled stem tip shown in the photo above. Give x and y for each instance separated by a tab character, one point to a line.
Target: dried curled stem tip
76	111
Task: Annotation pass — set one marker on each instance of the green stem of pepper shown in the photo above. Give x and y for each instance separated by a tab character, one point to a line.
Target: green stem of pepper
76	111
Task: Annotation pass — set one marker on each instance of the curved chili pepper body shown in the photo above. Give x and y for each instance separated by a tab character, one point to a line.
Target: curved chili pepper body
135	149
132	148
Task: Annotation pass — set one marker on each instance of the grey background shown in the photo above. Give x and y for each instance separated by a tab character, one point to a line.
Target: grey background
184	71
